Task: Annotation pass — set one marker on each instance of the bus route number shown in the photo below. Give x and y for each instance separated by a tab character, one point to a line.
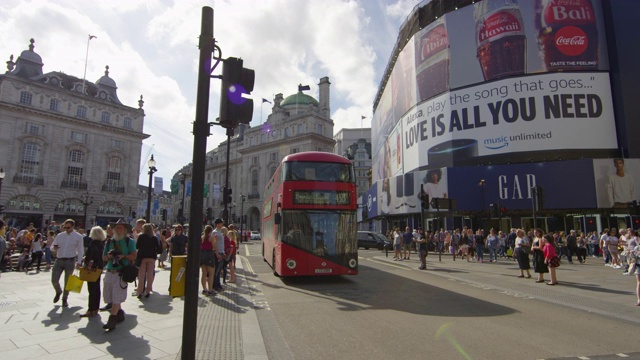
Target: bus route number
305	197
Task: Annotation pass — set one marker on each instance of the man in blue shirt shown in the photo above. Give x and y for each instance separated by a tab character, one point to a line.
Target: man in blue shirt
219	251
407	239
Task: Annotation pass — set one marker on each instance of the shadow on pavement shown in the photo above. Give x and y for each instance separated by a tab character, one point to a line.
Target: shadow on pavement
61	317
156	303
122	344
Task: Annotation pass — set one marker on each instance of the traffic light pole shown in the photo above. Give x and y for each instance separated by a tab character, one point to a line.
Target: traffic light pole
226	195
200	134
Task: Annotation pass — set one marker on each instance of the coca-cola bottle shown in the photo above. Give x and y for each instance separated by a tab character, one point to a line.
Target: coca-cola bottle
432	60
501	40
567	34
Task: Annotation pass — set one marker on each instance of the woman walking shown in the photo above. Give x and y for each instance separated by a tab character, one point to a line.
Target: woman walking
148	248
207	264
522	253
612	245
93	261
551	259
397	245
480	246
47	250
164	236
36	252
539	265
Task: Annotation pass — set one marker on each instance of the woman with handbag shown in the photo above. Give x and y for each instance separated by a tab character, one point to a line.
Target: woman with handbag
522	253
93	261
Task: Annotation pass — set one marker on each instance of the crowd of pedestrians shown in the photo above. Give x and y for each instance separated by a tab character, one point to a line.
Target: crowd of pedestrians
63	249
531	249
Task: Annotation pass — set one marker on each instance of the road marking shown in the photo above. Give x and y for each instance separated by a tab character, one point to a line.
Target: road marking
622	355
389	264
584	358
246	264
246	250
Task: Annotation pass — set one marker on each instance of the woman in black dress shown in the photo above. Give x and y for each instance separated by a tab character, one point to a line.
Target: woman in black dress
539	266
93	260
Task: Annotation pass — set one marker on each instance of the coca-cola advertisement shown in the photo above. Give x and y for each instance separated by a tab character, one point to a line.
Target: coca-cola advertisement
500	37
567	34
432	60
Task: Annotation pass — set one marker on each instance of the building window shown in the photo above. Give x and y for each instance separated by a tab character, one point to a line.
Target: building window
54	104
254	160
113	180
263	139
26	97
117	144
273	156
128	123
74	176
30	159
254	181
33	129
320	129
76	156
106	117
300	129
361	164
272	171
78	137
81	112
286	132
319	149
360	156
293	151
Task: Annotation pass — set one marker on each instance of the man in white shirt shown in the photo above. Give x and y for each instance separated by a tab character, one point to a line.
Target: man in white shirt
621	186
69	251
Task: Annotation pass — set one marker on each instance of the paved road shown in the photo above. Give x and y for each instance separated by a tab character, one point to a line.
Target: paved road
455	310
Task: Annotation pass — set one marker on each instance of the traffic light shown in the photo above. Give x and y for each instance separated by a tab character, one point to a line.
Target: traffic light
227	199
503	211
236	81
164	214
133	214
209	213
539	198
425	201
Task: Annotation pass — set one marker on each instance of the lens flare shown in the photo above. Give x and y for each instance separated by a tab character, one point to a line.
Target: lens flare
443	331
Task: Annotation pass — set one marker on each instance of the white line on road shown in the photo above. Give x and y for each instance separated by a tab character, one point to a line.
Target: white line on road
246	250
246	264
389	264
622	355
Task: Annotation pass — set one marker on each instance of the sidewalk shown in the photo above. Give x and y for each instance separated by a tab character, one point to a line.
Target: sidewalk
592	287
32	327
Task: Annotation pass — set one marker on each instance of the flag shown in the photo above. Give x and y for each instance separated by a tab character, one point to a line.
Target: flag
363	117
206	190
216	192
303	87
175	186
156	205
188	188
158	186
266	101
92	37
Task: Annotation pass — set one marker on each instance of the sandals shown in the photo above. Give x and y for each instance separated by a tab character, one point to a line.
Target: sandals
89	313
550	283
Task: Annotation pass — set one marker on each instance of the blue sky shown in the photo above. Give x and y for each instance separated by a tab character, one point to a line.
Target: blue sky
151	49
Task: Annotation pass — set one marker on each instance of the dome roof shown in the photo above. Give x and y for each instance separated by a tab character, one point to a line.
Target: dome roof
299	99
106	80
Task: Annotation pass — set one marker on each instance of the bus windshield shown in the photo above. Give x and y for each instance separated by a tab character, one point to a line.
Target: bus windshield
318	171
323	233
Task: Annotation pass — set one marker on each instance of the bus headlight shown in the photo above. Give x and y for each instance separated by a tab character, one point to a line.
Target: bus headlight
353	263
291	264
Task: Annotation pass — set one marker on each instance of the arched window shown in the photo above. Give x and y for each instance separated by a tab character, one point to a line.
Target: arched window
76	156
106	117
300	129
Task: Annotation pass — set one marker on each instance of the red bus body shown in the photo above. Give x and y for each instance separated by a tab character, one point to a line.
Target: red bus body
309	216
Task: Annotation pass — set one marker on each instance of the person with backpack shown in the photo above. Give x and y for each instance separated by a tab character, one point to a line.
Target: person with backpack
120	251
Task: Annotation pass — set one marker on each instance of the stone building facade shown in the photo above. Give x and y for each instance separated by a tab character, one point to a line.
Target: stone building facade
69	147
297	123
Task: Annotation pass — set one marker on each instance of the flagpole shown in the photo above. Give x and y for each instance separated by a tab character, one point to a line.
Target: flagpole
86	59
261	103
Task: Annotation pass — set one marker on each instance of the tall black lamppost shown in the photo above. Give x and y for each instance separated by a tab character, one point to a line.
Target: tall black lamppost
2	175
482	214
183	181
241	216
86	200
152	170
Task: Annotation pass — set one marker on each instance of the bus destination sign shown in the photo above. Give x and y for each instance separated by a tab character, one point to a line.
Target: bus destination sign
317	197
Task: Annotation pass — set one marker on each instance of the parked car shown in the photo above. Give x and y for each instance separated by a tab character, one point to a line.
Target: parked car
370	239
255	235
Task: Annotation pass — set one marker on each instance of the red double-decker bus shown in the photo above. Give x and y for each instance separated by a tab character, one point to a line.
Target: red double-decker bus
309	224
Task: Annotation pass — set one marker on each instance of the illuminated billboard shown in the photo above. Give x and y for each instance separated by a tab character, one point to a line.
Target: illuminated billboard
494	79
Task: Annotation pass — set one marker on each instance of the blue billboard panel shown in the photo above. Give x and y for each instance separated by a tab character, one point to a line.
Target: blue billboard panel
566	184
371	201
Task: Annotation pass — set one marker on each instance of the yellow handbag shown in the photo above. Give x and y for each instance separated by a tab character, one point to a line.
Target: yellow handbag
74	284
90	275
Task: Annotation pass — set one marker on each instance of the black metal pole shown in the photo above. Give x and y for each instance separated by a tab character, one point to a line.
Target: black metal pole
148	215
534	202
184	190
226	180
241	217
200	133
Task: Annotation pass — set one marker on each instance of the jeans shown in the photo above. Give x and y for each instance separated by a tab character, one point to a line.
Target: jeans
66	265
493	253
216	276
571	251
47	256
480	252
502	250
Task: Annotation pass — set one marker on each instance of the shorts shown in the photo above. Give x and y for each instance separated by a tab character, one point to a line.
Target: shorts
113	291
397	247
207	258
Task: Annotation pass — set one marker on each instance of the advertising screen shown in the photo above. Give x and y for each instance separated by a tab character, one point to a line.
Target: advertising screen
499	77
617	182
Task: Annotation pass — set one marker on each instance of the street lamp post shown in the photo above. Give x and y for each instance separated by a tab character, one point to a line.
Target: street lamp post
183	181
86	201
2	175
152	170
241	216
483	215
